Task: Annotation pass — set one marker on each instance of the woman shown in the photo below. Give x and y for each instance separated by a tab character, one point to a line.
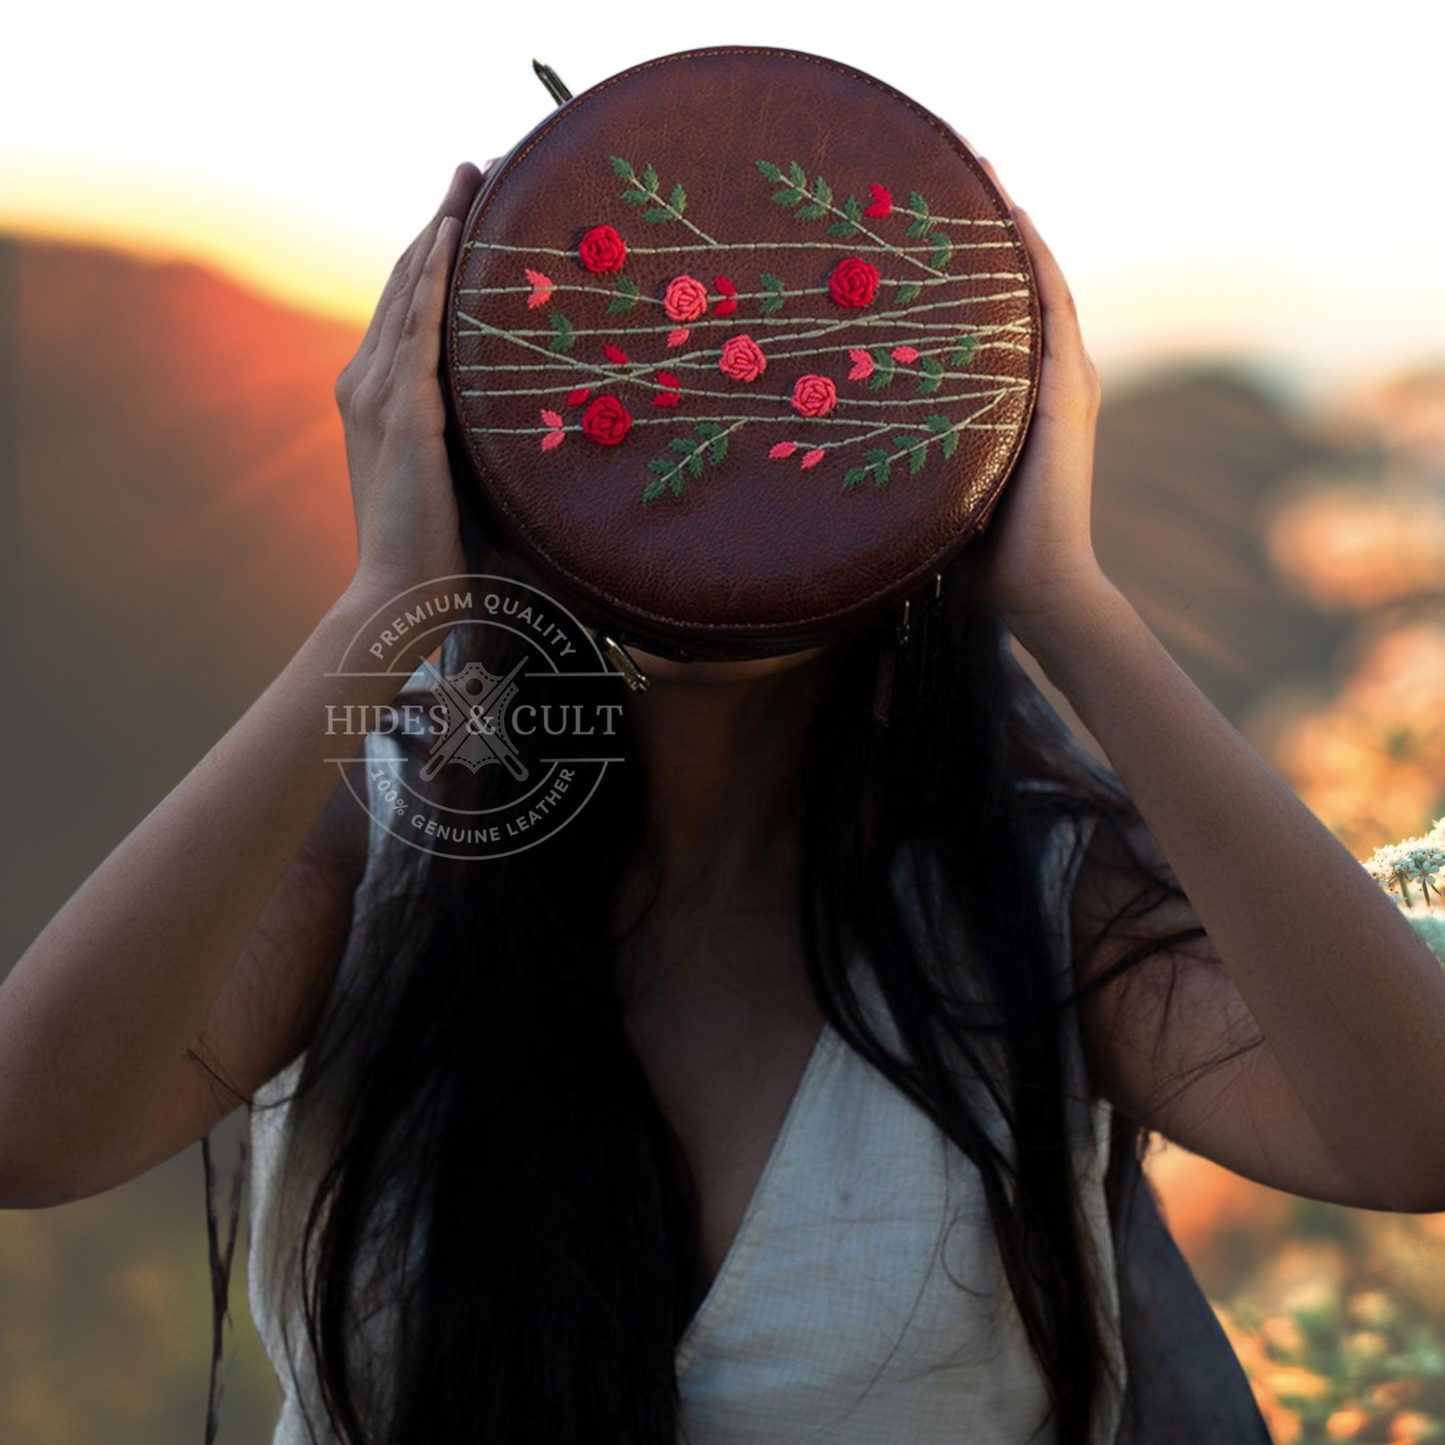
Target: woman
517	1118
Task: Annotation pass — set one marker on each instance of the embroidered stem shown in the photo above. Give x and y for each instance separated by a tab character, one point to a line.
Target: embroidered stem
832	246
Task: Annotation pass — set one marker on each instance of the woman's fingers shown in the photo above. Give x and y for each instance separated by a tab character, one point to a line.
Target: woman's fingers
396	295
1063	340
414	357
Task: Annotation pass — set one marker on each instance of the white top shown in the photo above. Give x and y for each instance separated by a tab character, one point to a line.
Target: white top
863	1298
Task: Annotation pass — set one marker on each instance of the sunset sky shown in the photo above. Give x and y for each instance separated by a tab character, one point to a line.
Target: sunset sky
1261	178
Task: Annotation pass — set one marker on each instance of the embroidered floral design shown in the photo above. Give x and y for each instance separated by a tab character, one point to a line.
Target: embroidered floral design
854	282
817	279
881	206
602	250
606	421
742	359
685	299
814	395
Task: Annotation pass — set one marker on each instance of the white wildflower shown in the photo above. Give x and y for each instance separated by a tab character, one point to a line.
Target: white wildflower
1412	860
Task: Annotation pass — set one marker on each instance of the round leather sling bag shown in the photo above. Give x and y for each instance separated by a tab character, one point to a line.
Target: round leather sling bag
741	348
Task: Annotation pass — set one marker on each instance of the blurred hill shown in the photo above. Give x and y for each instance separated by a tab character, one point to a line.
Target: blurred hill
175	518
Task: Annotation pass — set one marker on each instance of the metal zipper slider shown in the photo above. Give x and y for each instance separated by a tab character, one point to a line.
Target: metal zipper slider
617	655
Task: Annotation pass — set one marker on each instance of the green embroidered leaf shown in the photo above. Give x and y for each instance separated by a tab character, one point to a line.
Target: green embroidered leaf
949	445
932	377
694	465
810	213
626	298
788	196
773	302
908	291
682	445
649	180
917	203
842	230
718	450
564	339
769	282
943	249
965	353
823	192
880	463
677	483
853	476
636	198
769	170
653	490
657	214
853	208
936	422
678	199
917	457
623	168
661	466
884	369
770	305
918	227
797	175
708	428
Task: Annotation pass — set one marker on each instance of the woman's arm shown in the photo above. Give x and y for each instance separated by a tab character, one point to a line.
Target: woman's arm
1345	1095
97	1017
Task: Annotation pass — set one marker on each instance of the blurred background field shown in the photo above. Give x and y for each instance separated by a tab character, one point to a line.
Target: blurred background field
179	522
175	517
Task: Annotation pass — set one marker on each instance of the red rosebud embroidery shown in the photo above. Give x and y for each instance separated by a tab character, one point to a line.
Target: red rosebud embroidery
814	396
676	338
813	458
728	292
881	204
782	449
576	398
903	353
602	249
606	421
551	418
854	282
670	395
742	359
553	439
862	364
685	299
615	354
541	288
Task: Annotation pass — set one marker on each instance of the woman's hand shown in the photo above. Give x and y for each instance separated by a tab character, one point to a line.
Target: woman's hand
1037	555
394	415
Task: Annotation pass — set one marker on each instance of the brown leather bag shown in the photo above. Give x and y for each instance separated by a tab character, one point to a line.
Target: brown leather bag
741	346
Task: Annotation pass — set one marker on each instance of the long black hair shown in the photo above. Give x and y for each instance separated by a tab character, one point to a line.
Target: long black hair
501	1178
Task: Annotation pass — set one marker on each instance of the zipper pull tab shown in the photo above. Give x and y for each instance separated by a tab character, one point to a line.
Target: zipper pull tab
617	655
552	81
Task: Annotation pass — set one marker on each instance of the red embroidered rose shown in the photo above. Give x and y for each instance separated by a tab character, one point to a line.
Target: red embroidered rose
602	249
814	396
606	421
882	203
686	298
854	282
742	359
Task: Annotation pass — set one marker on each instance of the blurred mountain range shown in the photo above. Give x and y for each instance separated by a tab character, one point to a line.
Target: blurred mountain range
175	518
